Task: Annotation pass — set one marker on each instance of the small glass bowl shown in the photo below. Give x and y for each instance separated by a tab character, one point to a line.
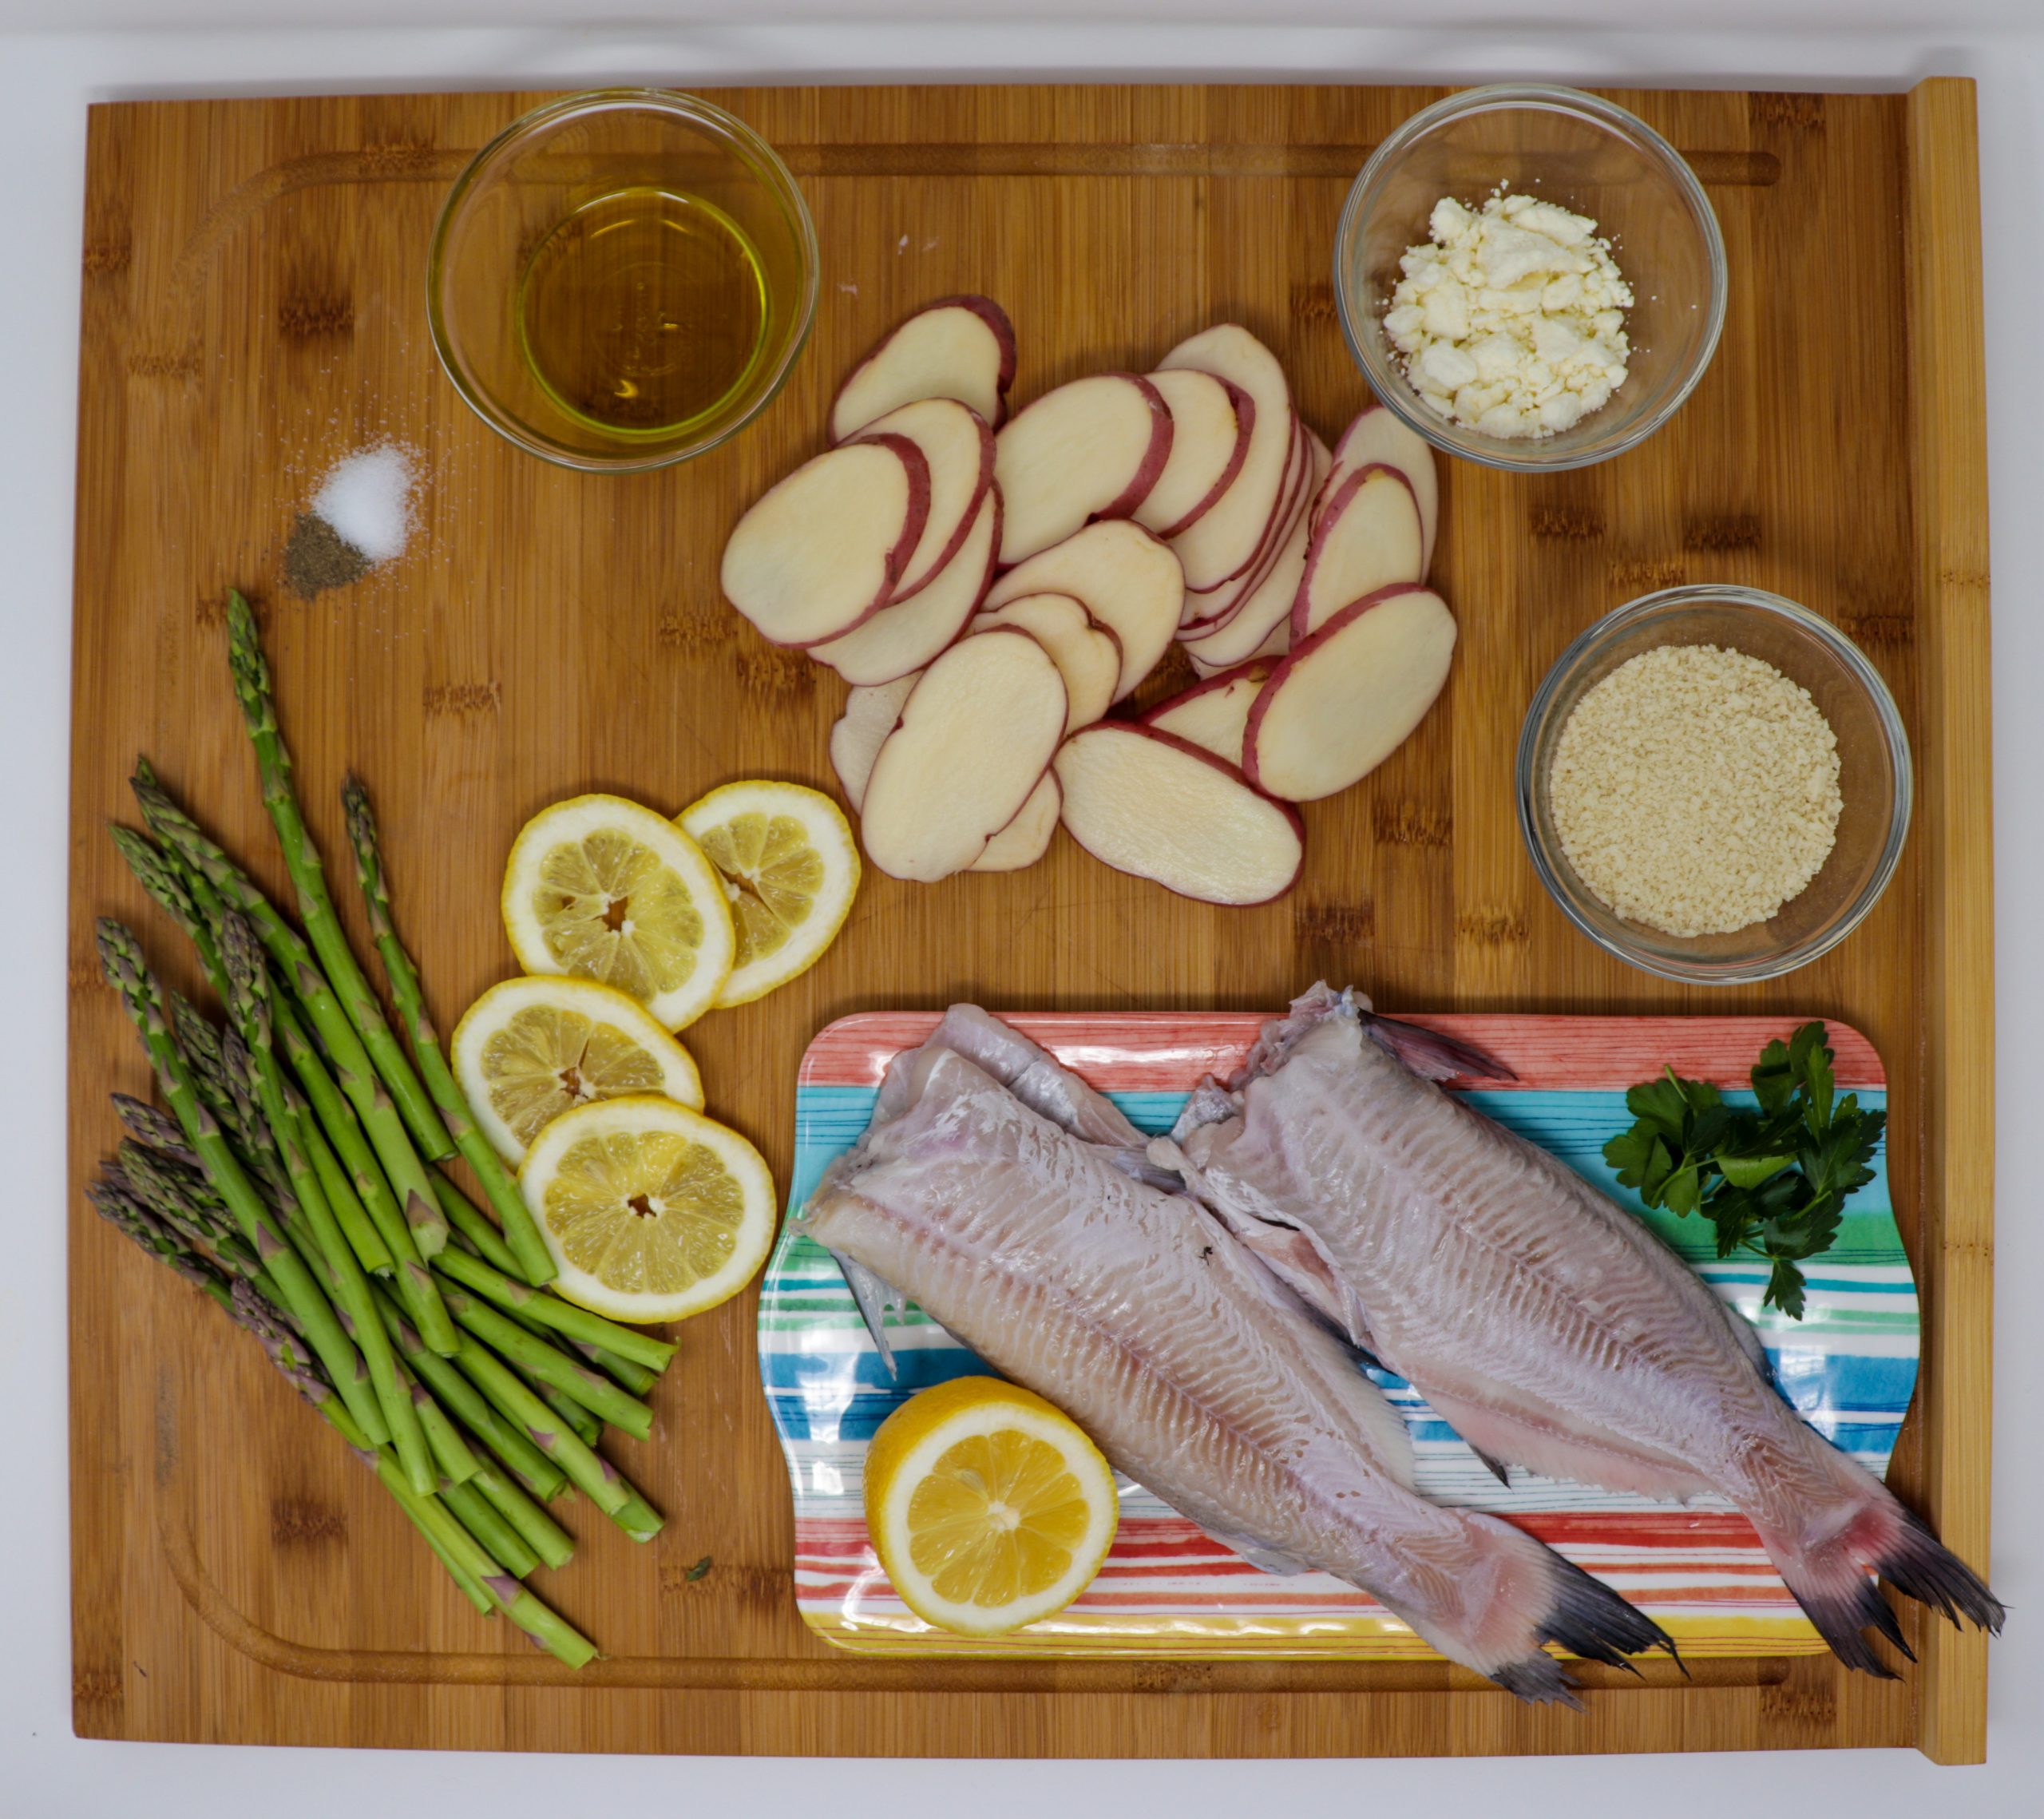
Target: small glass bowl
1560	145
1874	778
537	174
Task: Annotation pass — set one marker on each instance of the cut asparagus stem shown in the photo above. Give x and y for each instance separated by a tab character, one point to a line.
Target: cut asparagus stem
546	1626
352	1069
550	1310
248	1000
308	877
606	1486
498	1185
462	1399
590	1388
121	960
474	1224
553	1544
482	1518
343	1129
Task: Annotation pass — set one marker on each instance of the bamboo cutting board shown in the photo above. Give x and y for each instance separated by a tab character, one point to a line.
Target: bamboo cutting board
253	287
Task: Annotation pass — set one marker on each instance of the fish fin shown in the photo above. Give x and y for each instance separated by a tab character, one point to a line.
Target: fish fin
1497	1468
875	1299
1430	1054
1833	1579
1209	1103
1539	1680
1588	1618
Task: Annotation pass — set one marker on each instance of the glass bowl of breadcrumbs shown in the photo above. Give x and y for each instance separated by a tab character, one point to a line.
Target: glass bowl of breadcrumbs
1714	784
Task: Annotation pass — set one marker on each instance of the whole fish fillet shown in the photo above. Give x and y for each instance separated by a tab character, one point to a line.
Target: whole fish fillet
1547	1325
1193	1370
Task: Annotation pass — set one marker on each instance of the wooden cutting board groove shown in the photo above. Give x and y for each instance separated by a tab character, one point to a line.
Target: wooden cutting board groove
252	275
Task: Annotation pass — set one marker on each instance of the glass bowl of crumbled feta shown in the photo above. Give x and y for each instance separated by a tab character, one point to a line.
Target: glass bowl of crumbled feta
1531	276
1714	784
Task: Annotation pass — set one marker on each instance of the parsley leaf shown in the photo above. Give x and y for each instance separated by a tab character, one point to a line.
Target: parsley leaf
1773	1182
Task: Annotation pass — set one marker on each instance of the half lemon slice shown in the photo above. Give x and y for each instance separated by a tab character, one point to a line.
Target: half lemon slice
989	1508
790	868
651	1211
602	888
529	1049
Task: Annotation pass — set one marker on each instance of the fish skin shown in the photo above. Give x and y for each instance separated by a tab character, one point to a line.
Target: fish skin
1551	1328
1189	1365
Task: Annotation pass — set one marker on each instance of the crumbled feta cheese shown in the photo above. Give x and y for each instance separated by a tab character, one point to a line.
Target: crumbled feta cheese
1512	317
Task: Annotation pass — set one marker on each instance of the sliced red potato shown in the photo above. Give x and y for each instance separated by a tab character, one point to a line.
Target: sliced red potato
1156	805
958	449
1225	540
1125	577
905	634
1266	592
1026	838
862	728
1090	449
960	347
1088	655
1379	434
977	734
1347	697
1367	536
1211	423
1214	714
822	551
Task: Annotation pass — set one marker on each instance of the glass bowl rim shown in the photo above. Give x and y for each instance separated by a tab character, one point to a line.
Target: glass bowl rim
674	102
1894	736
1392	388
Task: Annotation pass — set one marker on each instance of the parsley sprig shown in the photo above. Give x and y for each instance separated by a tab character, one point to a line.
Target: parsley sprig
1773	1181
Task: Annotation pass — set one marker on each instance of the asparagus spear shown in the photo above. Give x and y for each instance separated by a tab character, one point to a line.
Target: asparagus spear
352	1069
474	1224
591	1389
550	1310
482	1518
308	877
547	1539
605	1486
349	1213
535	1263
153	1129
530	1466
121	959
248	1001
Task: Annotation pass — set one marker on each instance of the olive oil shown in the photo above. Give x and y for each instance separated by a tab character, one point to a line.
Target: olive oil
643	311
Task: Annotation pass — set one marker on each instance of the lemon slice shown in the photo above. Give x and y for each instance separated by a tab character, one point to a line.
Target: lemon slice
602	888
790	868
651	1211
529	1049
989	1509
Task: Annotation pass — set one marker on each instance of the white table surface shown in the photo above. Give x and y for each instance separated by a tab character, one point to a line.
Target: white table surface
105	49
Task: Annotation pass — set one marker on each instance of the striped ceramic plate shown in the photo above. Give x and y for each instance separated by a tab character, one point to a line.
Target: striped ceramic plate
1849	1366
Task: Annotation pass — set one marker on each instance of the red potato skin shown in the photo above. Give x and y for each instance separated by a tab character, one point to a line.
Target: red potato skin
1123	505
898	558
1291	813
1244	408
986	309
1228	598
1161	428
1347	615
986	584
1220	678
1328	512
964	526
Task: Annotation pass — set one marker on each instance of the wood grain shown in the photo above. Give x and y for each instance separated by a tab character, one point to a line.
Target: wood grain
253	274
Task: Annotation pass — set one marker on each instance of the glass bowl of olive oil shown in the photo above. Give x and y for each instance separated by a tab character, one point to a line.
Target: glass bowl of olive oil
622	279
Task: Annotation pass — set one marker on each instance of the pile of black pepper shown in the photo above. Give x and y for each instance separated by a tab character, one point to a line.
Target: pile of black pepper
316	558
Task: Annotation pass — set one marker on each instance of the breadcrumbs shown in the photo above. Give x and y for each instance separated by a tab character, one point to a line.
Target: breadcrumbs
1696	789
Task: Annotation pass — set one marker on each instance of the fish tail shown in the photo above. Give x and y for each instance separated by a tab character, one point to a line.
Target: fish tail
1521	1594
1832	1574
